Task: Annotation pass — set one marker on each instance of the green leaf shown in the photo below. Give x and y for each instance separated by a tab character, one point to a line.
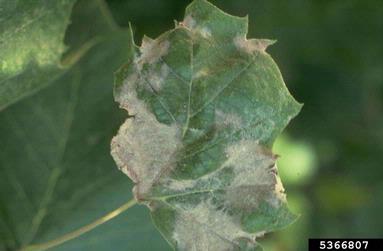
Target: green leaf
56	171
31	45
205	106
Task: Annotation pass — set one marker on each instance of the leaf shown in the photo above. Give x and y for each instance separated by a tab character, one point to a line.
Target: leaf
31	45
205	106
55	163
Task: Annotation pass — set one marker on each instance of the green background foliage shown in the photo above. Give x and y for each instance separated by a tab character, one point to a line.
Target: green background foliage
31	43
330	55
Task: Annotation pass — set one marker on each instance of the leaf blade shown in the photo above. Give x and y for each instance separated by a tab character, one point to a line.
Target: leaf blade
31	45
37	140
207	105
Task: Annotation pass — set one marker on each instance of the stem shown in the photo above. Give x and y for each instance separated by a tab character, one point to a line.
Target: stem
106	12
76	233
73	57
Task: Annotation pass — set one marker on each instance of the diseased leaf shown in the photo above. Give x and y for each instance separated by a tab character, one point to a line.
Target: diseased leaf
31	45
206	104
55	173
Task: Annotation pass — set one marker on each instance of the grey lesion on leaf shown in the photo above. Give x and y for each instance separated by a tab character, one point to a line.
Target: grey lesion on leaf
252	165
255	176
151	51
228	120
200	33
207	226
155	77
204	72
190	23
204	227
252	45
152	70
143	147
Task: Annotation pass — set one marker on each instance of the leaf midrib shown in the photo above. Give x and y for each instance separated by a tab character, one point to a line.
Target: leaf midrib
186	125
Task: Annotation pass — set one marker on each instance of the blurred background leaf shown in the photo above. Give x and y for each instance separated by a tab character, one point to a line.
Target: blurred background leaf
331	56
57	172
31	44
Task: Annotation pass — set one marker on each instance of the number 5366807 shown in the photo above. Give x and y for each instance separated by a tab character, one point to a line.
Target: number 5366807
343	245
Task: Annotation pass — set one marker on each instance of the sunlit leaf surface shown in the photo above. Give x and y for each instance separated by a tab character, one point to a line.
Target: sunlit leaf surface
31	45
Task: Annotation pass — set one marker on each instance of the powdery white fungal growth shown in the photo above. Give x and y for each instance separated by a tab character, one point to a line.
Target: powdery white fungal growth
156	77
228	120
151	51
189	22
251	163
255	175
143	148
201	73
205	227
279	191
252	45
180	185
127	97
205	32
